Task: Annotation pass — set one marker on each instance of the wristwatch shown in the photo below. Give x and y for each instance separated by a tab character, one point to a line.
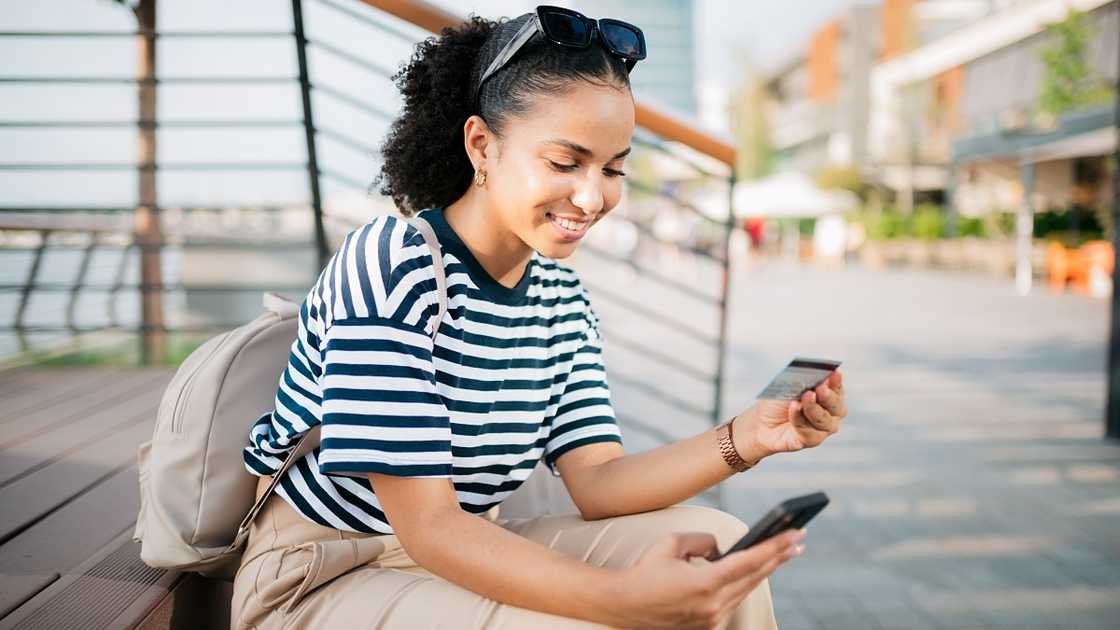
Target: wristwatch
727	449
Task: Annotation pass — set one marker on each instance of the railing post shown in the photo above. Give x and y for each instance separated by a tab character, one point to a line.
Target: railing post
146	222
28	287
309	133
79	283
725	283
951	215
1024	229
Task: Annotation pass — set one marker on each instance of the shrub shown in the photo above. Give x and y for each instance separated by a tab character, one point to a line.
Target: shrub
887	224
928	223
1001	223
805	226
1075	220
970	226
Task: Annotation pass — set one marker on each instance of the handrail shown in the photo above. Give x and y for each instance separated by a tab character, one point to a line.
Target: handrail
670	126
107	233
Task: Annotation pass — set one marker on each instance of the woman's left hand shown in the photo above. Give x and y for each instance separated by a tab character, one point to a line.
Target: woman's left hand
784	426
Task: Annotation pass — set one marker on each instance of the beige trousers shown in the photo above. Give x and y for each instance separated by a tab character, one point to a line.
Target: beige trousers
297	574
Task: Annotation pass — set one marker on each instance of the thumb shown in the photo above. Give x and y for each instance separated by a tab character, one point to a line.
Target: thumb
688	544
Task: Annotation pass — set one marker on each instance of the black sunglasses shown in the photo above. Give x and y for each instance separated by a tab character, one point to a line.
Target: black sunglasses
565	27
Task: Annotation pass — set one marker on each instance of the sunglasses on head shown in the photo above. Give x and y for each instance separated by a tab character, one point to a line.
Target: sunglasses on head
565	27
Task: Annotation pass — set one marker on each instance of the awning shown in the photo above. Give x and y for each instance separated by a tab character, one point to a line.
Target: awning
1078	134
1098	142
790	194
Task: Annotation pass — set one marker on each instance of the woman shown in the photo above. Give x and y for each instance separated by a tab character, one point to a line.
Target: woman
512	146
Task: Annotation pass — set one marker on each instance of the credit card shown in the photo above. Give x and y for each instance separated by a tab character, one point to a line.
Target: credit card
801	375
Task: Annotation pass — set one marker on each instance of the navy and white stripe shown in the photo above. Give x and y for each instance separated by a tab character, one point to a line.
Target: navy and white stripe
515	374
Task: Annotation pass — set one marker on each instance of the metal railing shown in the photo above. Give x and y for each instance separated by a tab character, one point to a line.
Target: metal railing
649	306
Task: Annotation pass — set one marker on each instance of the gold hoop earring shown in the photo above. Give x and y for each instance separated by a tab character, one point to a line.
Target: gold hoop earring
480	178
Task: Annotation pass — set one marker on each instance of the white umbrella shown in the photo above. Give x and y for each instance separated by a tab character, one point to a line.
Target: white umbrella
789	195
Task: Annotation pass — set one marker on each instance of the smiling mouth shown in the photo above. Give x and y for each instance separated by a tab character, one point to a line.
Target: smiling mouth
568	230
569	224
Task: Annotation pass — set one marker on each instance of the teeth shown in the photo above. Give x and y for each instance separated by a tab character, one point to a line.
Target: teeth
575	226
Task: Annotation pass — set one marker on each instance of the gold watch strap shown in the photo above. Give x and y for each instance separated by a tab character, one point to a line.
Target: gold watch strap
727	449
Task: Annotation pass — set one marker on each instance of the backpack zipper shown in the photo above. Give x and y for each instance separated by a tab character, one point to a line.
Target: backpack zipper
180	405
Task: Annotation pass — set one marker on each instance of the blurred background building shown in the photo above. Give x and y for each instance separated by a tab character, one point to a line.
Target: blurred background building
670	75
961	119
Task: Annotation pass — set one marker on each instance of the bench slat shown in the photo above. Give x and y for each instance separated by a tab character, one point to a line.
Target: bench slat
75	531
38	391
79	405
32	497
112	589
69	440
17	589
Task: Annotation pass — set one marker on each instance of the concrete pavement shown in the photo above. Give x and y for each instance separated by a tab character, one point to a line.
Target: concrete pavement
970	484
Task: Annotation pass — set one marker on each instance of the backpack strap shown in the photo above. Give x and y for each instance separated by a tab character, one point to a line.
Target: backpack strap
310	440
437	267
282	306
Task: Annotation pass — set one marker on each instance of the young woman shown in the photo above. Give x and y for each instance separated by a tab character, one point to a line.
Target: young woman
512	144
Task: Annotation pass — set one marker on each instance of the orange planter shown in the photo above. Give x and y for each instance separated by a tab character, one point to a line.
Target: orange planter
1074	266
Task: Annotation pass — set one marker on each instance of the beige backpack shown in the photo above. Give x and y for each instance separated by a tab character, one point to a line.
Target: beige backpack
196	497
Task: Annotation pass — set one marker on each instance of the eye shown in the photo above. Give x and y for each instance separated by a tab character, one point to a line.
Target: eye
563	168
613	173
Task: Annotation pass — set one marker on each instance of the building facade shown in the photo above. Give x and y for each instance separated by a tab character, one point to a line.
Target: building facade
960	115
668	74
820	99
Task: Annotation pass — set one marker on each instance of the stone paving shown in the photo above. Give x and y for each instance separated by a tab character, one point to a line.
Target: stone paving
971	486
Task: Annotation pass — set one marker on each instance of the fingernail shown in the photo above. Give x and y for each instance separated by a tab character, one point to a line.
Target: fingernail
798	550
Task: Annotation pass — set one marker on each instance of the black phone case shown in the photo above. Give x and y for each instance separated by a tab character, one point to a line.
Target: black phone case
792	513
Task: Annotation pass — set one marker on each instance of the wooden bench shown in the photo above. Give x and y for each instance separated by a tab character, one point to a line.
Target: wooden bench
69	497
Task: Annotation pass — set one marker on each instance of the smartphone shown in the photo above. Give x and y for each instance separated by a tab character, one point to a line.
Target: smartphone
789	514
801	375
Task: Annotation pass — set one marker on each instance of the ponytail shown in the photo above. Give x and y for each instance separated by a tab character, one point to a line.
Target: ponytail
425	164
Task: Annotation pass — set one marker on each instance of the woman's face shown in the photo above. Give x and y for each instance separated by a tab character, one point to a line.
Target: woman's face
560	167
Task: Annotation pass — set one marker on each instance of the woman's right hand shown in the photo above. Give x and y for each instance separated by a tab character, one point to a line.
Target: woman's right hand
663	589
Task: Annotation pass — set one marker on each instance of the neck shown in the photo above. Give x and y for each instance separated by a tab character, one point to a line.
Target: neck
500	252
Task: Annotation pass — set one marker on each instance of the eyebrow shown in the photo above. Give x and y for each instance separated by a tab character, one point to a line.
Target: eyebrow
582	150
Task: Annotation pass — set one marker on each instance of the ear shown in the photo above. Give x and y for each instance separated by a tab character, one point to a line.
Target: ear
480	143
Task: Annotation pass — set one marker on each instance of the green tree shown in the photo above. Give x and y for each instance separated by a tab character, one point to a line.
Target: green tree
846	177
1067	80
755	154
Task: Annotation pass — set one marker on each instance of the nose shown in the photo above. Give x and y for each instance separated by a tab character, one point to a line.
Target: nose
588	195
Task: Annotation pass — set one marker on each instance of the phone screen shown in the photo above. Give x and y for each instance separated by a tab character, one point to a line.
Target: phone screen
792	513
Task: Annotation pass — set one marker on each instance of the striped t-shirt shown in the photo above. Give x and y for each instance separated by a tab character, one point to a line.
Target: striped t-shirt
515	374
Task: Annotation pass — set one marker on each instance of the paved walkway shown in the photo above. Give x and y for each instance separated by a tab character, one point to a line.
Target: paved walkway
971	486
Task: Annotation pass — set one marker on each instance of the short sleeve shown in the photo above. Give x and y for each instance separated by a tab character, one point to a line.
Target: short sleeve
381	412
585	414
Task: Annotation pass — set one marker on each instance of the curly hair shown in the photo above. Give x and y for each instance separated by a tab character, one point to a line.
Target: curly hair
424	162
